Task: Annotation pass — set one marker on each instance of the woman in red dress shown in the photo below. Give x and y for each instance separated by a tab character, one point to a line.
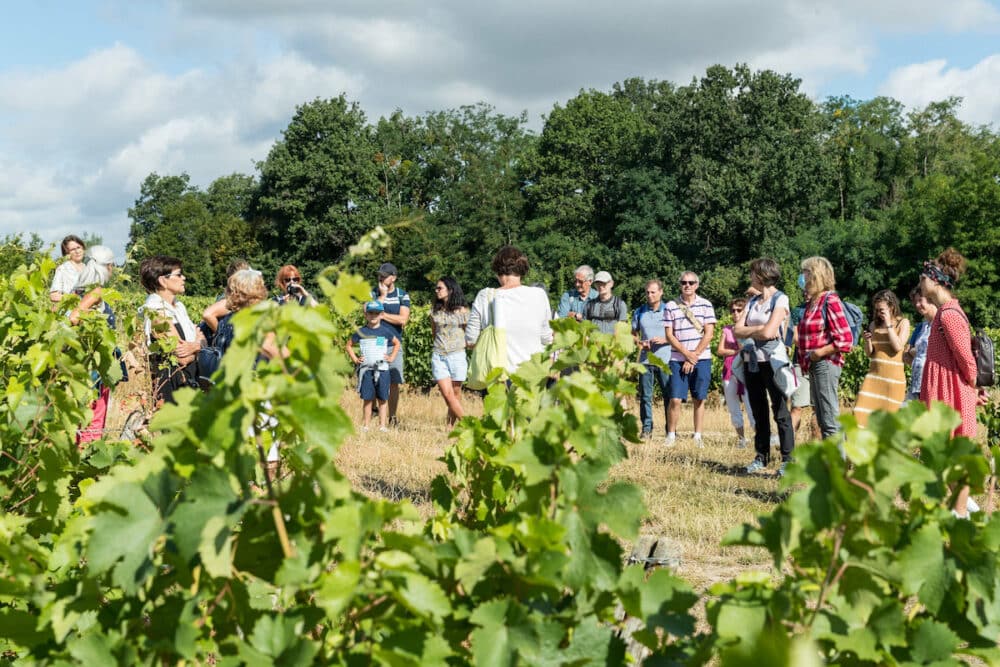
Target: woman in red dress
950	370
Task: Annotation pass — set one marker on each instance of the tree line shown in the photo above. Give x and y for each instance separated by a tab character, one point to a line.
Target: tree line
643	180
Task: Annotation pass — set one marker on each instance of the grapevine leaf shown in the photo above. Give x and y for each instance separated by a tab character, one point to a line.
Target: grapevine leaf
126	526
923	569
491	641
203	522
932	642
421	595
92	649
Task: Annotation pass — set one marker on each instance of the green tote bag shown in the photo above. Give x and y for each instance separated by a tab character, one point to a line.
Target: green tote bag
490	351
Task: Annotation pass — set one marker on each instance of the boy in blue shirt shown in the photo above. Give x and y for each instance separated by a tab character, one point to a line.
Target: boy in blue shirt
375	340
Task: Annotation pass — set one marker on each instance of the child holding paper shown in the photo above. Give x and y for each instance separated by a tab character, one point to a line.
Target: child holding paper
374	340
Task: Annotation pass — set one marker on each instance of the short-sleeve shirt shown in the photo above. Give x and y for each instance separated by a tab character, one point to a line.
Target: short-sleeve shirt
572	302
606	313
684	331
65	278
383	335
649	324
449	330
759	313
392	302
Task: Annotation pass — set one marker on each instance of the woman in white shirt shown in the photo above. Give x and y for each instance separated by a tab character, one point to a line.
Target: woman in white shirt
521	310
763	321
164	318
67	274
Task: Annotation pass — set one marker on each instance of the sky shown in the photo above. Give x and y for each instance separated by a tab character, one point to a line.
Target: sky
97	94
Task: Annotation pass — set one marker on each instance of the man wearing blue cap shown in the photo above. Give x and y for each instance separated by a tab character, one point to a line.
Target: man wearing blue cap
378	346
396	303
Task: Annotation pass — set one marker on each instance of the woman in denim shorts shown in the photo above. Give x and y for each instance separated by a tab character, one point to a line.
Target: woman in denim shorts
449	365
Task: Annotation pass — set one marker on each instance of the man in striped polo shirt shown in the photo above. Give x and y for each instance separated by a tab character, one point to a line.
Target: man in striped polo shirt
689	321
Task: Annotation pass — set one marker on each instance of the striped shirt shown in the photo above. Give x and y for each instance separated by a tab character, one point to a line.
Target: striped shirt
684	331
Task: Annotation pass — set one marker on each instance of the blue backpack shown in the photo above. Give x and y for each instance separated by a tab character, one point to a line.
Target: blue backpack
855	318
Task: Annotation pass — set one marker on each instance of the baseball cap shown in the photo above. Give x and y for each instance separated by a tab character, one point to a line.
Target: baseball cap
388	269
603	277
374	307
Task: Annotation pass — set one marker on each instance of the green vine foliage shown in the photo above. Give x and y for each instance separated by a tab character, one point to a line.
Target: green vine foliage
184	551
876	568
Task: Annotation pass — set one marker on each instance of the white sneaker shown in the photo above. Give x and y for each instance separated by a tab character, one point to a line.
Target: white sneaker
741	443
671	440
699	443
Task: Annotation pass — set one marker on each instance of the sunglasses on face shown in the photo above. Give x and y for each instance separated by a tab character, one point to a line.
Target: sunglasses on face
175	274
295	279
689	282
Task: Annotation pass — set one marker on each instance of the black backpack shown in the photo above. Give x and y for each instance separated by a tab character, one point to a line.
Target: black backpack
982	351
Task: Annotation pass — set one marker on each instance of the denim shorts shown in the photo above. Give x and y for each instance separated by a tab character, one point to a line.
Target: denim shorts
696	381
451	366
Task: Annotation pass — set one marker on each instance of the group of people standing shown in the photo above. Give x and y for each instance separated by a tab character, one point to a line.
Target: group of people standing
777	359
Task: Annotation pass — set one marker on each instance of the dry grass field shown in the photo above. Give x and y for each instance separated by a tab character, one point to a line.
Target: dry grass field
693	495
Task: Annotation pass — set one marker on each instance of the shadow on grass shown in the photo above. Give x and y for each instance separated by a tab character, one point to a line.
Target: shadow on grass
762	495
394	491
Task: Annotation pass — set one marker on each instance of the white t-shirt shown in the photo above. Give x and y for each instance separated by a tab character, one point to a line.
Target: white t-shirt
65	278
522	311
759	314
176	313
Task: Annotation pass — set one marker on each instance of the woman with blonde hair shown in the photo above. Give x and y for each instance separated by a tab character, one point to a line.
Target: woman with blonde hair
824	336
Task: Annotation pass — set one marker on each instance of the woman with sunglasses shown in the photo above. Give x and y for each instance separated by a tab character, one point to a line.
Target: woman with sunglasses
67	274
166	322
449	365
290	288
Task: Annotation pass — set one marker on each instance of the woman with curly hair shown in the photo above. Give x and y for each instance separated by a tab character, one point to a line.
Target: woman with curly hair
884	387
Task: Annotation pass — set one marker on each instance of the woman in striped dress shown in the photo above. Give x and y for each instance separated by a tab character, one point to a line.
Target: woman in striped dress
884	388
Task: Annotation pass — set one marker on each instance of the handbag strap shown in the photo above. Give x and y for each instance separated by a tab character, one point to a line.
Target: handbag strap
698	326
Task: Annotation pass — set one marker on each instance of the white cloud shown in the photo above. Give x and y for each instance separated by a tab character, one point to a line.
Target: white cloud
921	83
79	140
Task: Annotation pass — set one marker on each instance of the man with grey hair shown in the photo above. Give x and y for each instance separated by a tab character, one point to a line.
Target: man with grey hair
572	303
689	322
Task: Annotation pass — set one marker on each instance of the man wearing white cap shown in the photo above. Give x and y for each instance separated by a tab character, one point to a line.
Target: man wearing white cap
605	309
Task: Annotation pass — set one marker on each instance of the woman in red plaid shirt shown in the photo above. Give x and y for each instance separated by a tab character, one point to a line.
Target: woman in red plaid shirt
824	336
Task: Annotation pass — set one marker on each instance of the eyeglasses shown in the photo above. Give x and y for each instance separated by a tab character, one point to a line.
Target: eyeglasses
736	311
175	274
74	248
440	288
689	282
295	279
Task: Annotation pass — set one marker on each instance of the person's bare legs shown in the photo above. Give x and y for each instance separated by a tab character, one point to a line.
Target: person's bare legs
367	413
699	413
451	390
673	415
383	414
393	401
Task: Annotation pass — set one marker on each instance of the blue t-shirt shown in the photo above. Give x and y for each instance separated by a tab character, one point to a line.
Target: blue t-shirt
649	323
393	301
